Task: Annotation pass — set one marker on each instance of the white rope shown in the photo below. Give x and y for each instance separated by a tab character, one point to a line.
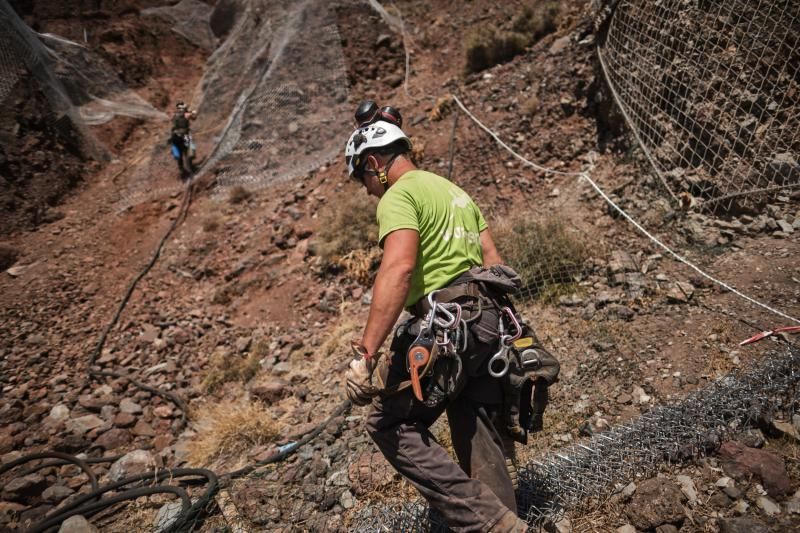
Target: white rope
680	258
504	145
585	175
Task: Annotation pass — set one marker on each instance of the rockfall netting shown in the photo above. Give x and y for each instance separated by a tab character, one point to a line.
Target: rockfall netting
190	19
711	90
23	56
271	105
280	94
80	87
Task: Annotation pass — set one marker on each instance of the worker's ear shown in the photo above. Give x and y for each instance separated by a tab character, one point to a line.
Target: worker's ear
373	162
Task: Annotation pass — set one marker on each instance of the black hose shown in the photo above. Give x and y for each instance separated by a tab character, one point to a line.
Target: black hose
112	500
82	505
58	455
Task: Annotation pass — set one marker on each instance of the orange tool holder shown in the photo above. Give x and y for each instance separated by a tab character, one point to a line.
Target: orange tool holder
418	357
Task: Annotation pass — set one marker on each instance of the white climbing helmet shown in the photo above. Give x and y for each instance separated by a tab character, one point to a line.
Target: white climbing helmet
371	137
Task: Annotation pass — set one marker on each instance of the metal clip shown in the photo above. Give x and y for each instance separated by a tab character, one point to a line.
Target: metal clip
501	358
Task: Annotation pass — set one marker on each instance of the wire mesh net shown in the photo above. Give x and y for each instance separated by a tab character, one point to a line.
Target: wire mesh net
190	19
80	87
711	90
280	104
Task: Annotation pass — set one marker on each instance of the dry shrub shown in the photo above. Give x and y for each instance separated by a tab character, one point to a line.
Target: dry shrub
417	154
230	428
345	225
361	264
487	46
530	106
537	19
547	256
226	368
211	223
239	195
442	108
8	256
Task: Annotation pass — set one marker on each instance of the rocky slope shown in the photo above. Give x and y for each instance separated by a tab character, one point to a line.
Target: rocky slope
239	307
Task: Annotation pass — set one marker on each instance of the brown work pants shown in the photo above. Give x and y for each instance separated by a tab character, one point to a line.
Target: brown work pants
477	495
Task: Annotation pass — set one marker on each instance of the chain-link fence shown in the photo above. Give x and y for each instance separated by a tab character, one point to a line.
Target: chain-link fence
711	90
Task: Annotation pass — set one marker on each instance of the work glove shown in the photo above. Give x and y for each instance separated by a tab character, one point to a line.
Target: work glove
358	378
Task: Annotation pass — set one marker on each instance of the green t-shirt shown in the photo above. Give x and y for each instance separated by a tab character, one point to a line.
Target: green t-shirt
447	220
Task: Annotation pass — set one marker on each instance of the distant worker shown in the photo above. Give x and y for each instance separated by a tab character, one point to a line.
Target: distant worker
466	349
183	148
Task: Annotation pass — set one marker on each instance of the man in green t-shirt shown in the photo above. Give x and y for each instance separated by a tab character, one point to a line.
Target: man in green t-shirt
432	234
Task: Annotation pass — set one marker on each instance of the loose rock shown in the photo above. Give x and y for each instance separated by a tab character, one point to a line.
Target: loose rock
77	524
657	501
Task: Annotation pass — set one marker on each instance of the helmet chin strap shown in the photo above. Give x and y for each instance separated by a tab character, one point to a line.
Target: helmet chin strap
383	174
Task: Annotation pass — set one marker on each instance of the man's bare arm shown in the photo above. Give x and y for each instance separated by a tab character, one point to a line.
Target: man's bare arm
490	254
391	286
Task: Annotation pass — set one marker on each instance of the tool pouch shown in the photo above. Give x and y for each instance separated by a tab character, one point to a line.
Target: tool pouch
525	387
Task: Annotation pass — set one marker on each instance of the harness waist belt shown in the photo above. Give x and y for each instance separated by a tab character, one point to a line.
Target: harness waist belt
447	294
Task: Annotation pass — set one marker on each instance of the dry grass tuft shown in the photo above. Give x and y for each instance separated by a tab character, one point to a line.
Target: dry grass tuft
226	368
228	429
345	330
345	227
442	108
547	256
239	195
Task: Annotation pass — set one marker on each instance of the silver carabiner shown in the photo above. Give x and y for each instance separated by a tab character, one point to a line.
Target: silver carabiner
431	317
510	313
502	357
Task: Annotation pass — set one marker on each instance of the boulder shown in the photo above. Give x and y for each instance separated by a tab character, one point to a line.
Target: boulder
370	472
113	439
129	406
83	424
143	429
56	493
769	507
271	390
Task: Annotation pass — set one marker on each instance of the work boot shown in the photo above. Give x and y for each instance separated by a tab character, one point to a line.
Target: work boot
509	523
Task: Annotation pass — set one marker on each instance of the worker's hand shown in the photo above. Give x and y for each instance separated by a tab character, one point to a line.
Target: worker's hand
358	378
